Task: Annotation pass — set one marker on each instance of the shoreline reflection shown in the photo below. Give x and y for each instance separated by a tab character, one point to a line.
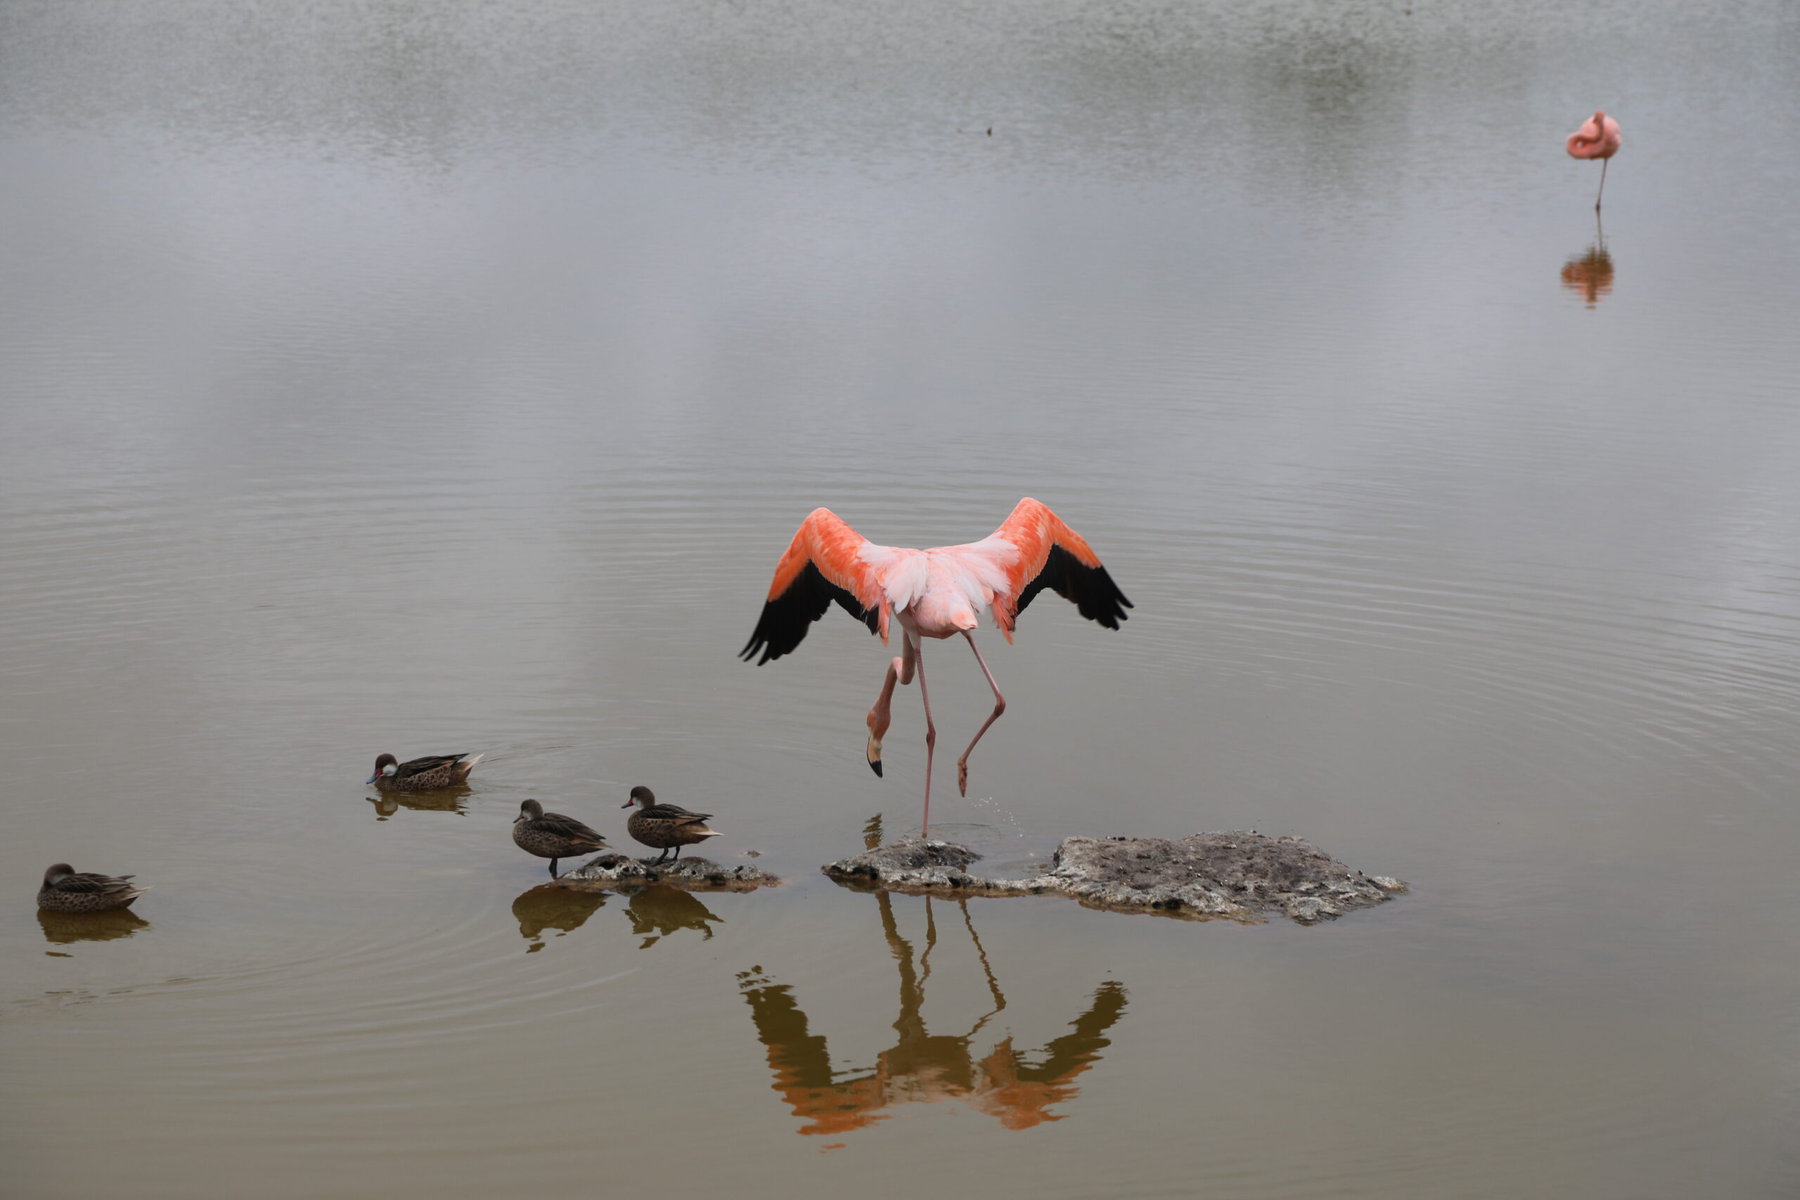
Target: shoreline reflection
1016	1088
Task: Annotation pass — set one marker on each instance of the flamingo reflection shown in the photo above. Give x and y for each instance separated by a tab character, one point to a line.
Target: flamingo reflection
1015	1087
1590	273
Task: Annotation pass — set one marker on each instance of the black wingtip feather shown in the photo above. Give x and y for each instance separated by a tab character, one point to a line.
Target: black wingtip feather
787	617
1091	589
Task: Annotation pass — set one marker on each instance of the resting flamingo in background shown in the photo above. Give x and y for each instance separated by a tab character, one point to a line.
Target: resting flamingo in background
935	593
1598	138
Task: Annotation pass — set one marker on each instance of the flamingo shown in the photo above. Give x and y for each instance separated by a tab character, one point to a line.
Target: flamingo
1598	138
935	593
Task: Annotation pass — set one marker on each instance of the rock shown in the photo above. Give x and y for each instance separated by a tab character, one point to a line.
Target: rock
693	873
1241	875
907	864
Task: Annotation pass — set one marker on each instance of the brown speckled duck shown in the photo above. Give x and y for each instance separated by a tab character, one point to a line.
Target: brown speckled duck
68	890
665	826
422	774
552	835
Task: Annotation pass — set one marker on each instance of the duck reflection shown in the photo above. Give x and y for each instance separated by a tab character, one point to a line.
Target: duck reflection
1590	273
450	800
1017	1088
64	928
549	907
657	912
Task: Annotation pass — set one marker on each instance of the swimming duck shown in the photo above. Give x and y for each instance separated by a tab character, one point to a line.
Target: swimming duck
662	826
68	890
552	835
422	774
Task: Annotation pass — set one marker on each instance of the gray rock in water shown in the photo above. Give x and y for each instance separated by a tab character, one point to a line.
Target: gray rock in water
693	873
1241	874
909	863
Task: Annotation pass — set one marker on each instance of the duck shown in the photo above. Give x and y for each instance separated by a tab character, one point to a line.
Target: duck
665	826
552	835
70	891
422	774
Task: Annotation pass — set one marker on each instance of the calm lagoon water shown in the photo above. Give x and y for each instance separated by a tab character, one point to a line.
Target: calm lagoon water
426	377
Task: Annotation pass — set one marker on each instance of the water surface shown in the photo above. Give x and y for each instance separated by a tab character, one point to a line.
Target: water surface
443	377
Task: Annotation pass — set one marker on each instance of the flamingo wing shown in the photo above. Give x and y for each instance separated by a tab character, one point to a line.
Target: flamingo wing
1598	137
1035	550
827	561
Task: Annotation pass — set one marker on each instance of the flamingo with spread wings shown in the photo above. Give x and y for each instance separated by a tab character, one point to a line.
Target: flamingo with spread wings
935	593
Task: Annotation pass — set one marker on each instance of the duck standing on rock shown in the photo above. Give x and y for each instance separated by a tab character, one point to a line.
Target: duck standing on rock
422	774
552	835
70	891
665	826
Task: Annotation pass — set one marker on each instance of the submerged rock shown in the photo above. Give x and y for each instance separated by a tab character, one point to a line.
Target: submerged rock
1242	874
693	873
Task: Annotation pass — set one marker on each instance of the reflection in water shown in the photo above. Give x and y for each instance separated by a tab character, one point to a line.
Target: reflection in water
63	928
920	1067
657	912
444	800
547	906
654	912
1591	272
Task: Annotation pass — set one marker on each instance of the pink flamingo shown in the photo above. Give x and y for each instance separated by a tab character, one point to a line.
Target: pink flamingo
1598	138
934	593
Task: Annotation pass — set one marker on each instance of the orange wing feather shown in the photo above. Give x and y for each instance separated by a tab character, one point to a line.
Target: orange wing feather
821	565
826	541
1052	555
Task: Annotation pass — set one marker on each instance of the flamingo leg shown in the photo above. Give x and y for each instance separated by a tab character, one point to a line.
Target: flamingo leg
962	764
930	735
900	670
1602	191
